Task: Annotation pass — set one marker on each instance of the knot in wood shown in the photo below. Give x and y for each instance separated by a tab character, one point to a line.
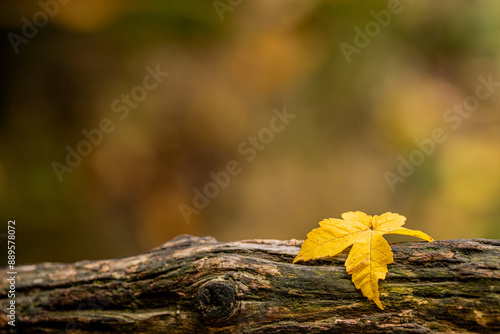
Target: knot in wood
217	300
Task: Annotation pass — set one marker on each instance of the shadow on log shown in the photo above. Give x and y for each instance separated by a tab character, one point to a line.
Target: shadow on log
200	285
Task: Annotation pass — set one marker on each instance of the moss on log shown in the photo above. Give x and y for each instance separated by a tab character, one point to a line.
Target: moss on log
200	285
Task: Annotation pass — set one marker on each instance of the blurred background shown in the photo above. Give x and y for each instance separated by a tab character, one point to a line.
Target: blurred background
230	64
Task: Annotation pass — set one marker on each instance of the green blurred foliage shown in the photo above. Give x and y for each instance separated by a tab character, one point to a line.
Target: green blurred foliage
226	76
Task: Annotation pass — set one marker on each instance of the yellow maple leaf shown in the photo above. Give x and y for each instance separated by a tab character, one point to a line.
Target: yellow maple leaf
368	259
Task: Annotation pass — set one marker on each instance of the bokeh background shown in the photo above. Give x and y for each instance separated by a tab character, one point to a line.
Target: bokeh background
227	72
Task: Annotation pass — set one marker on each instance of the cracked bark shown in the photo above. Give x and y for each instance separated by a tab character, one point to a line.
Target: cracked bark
200	285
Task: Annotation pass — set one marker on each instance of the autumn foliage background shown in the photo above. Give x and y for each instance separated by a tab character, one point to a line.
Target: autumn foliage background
226	76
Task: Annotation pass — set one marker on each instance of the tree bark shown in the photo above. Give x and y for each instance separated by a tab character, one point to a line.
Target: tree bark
200	285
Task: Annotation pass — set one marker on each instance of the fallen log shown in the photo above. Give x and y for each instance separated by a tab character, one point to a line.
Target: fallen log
200	285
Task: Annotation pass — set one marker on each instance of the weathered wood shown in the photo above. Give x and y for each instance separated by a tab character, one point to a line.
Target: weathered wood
199	285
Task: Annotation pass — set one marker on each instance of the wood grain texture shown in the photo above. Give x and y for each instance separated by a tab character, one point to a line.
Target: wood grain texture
200	285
